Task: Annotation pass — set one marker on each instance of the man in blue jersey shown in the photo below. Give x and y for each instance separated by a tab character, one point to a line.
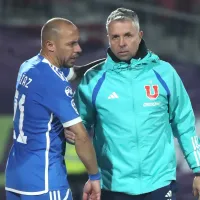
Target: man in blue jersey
43	108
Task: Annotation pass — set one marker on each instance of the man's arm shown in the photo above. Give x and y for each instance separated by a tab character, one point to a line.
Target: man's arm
86	153
183	123
183	127
84	148
79	71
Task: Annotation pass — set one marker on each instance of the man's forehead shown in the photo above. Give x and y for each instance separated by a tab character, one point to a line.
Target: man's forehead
70	29
121	26
72	33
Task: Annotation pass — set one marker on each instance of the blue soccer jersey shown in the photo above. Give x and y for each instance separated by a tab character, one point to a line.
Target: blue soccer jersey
43	105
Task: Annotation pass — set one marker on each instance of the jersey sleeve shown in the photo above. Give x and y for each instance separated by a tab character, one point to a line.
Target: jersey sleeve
58	98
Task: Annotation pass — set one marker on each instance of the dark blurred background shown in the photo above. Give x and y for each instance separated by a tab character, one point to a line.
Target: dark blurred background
171	29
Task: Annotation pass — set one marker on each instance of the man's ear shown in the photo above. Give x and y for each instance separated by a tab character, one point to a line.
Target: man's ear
141	34
50	45
108	39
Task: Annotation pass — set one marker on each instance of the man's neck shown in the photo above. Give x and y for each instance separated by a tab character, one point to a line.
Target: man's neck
50	58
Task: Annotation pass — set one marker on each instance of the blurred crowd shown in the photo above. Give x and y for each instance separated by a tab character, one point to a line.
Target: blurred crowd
186	6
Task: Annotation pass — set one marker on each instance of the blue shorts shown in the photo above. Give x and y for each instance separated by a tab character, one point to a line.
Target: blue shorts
51	195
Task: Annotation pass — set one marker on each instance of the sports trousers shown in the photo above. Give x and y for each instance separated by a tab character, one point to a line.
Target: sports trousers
164	193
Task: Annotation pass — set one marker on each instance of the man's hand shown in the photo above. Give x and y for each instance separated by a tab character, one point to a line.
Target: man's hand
196	187
70	136
92	190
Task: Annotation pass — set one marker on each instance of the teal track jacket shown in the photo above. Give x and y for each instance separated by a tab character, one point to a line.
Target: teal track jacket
136	109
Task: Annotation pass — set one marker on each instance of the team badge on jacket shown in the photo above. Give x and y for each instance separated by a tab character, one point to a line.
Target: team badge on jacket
152	91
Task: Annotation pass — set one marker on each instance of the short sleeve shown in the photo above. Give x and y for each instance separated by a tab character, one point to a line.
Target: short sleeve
58	98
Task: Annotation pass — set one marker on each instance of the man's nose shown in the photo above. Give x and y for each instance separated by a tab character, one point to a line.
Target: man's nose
78	49
122	42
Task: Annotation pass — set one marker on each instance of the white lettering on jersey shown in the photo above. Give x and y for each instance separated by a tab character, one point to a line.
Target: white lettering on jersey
74	106
25	81
20	103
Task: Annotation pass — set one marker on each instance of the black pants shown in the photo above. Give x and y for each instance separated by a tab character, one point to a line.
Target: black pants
165	193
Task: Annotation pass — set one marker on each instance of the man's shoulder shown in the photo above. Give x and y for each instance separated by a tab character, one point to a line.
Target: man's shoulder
49	72
164	66
95	71
41	71
34	64
92	76
96	67
30	67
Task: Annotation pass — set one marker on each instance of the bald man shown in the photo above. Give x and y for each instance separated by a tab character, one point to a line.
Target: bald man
43	108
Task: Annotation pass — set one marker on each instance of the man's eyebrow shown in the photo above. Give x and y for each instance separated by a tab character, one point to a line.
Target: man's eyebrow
114	35
127	33
72	42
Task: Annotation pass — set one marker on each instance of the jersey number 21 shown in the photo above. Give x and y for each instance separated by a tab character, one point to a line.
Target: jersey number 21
19	104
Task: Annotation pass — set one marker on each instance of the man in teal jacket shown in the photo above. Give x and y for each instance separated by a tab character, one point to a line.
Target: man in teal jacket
136	103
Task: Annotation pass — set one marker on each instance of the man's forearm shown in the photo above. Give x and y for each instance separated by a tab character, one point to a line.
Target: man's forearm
86	153
84	148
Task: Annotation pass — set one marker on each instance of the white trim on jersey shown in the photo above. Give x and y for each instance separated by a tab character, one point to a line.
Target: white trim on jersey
67	195
50	196
55	69
25	193
71	76
59	197
46	175
47	154
72	122
54	195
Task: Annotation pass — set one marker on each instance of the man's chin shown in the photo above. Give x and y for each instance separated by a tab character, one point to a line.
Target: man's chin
124	58
69	65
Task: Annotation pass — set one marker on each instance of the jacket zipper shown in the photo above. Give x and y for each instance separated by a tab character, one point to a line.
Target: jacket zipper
138	149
